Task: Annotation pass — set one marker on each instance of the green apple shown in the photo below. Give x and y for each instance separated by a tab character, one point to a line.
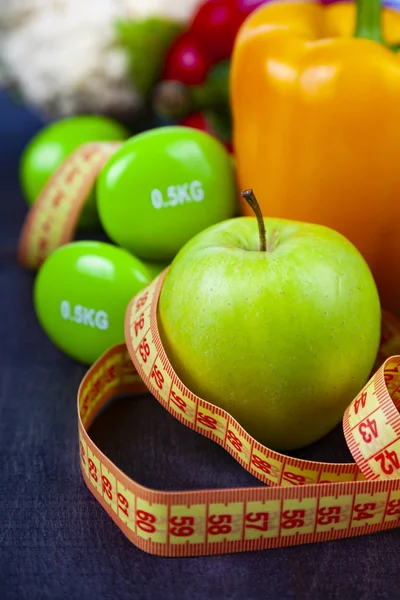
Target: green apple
54	143
282	335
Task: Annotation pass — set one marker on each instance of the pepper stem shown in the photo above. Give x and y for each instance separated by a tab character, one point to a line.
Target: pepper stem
369	20
251	200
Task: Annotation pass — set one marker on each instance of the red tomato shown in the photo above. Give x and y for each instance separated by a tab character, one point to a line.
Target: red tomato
187	61
196	121
248	6
215	26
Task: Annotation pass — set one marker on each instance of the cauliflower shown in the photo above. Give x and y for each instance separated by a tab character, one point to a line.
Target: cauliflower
65	56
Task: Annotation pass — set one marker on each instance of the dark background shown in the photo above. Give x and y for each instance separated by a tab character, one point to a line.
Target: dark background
56	542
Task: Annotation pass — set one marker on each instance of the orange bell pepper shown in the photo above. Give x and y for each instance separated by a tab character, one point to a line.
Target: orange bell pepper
316	112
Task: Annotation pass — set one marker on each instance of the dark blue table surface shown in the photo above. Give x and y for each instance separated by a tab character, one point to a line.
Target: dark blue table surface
56	542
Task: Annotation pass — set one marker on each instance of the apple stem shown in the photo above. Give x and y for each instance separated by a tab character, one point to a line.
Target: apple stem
252	201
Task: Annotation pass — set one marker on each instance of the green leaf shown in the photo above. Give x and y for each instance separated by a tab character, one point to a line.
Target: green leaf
214	92
147	43
220	122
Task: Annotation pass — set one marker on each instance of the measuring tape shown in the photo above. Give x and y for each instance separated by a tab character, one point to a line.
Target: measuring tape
53	218
305	502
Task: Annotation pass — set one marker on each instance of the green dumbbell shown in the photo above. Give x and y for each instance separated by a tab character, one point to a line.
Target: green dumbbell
164	186
53	144
81	294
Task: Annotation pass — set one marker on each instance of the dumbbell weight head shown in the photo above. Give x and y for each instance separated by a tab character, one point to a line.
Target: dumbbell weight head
81	294
164	186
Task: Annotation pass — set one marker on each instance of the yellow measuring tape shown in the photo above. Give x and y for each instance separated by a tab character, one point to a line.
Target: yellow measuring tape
52	220
305	502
